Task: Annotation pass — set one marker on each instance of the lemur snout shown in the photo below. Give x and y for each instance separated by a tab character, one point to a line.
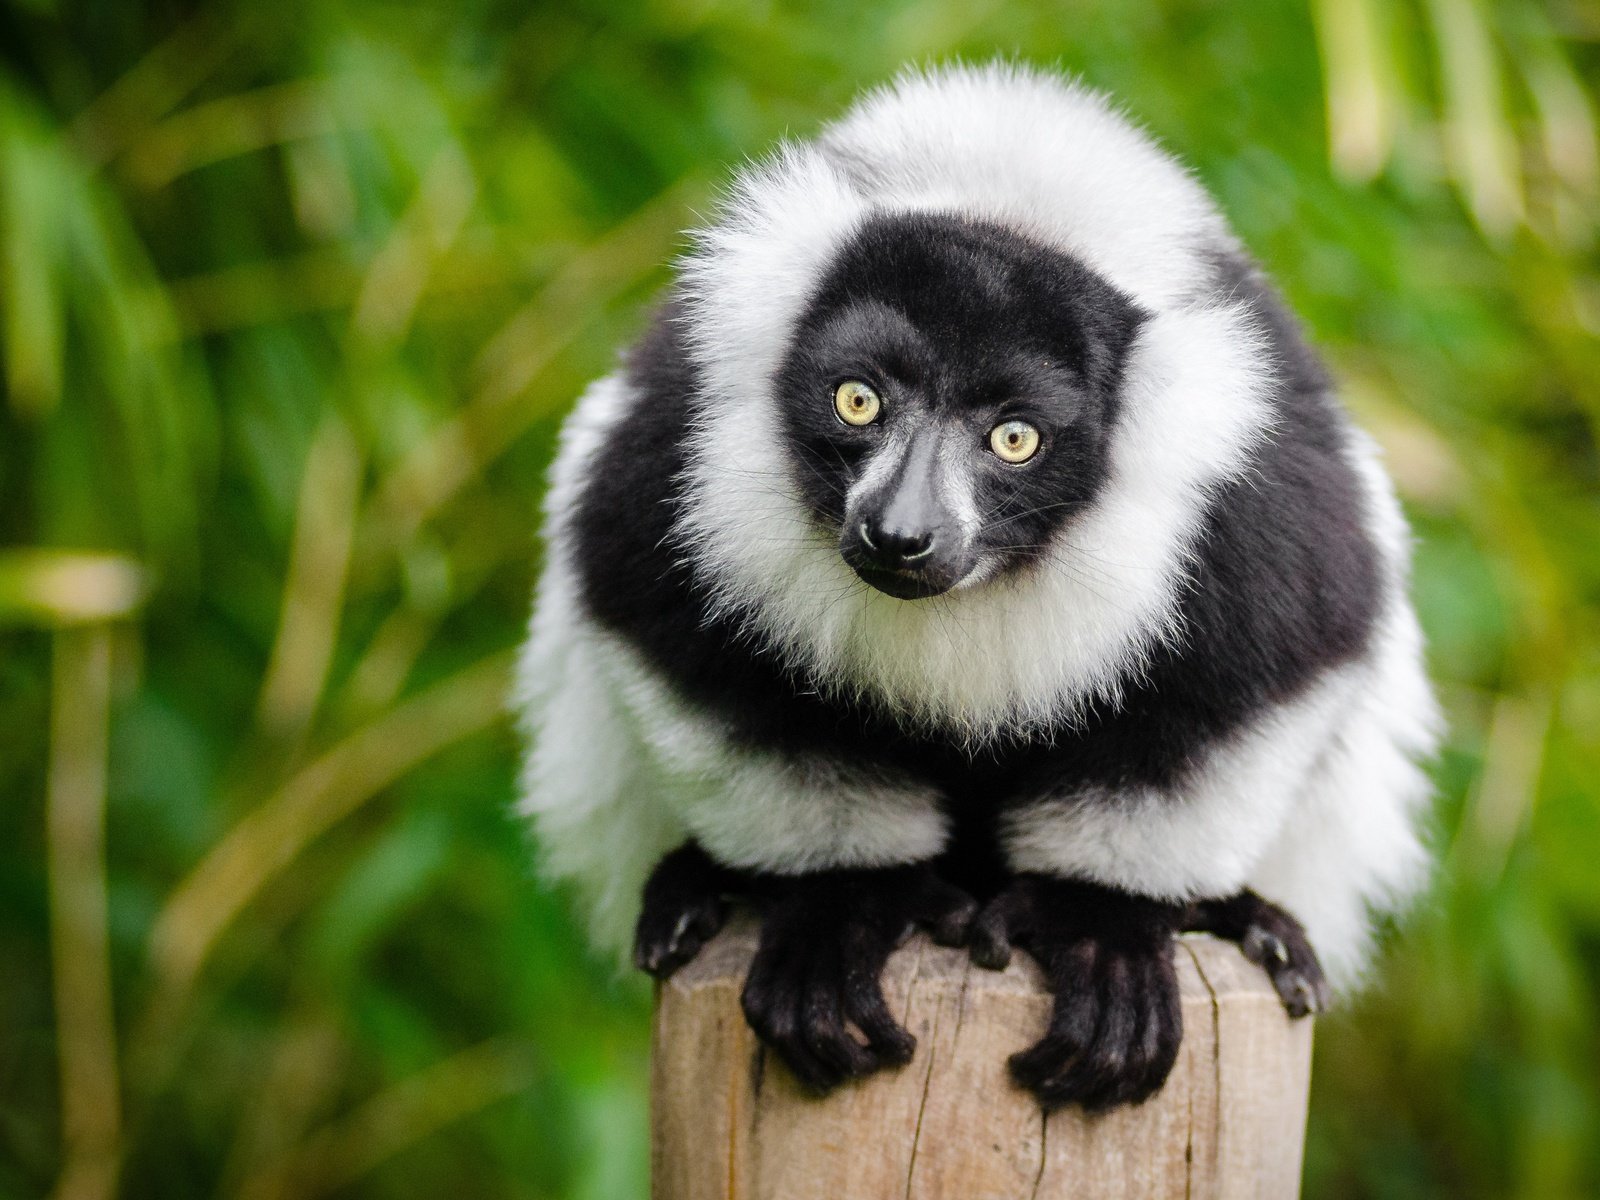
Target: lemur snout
896	547
910	560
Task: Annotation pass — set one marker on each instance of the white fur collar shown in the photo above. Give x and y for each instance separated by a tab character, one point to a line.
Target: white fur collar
1053	160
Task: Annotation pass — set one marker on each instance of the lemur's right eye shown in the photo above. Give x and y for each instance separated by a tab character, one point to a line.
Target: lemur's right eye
856	403
1014	442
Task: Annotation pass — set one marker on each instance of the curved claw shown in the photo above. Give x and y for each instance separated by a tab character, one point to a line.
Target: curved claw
1271	938
682	909
669	938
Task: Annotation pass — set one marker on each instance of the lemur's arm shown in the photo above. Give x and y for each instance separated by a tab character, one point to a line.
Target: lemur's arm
1108	870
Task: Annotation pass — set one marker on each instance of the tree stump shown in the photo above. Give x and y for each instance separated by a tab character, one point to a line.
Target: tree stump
730	1122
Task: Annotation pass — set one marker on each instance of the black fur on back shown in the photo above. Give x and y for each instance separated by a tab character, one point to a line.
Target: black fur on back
1284	584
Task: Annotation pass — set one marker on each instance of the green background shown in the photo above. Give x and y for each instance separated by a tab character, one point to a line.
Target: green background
292	299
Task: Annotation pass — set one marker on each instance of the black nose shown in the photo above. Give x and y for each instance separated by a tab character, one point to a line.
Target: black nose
893	546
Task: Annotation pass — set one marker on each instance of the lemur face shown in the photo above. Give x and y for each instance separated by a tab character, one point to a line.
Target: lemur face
948	399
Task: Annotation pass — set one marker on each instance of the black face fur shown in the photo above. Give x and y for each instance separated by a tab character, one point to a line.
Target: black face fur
959	326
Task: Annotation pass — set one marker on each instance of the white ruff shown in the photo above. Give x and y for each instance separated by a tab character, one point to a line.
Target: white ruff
1053	161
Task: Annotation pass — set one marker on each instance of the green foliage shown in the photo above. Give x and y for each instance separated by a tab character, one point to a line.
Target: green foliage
291	300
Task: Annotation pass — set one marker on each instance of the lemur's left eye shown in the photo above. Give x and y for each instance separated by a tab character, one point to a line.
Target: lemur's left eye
856	402
1014	441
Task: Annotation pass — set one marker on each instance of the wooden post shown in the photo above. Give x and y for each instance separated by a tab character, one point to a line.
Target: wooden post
730	1123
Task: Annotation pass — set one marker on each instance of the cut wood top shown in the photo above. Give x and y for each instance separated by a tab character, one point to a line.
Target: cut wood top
1208	969
730	1122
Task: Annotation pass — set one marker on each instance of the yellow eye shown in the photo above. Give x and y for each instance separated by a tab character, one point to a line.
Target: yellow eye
856	403
1014	441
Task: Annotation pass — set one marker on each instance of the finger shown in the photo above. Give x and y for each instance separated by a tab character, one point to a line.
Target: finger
1301	994
989	939
671	931
653	952
1092	1075
772	1006
890	1042
766	998
822	1033
708	919
1263	947
1159	1036
1292	965
663	962
1007	916
1073	1018
645	953
1135	1043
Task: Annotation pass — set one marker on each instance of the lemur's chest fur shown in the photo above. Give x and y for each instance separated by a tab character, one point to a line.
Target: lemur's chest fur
1278	592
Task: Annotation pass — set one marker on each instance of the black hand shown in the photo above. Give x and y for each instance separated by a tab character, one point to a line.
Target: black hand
824	940
683	909
1116	1022
1273	939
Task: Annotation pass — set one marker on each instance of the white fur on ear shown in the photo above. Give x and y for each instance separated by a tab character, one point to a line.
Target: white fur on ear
1043	154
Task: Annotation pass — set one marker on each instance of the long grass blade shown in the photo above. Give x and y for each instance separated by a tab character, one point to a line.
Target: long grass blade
86	1029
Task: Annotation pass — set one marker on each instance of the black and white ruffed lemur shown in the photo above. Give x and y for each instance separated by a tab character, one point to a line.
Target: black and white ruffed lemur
974	542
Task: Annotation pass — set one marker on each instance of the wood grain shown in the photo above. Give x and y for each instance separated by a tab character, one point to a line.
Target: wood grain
730	1123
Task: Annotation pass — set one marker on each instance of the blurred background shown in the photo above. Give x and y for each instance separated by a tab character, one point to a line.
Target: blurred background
292	299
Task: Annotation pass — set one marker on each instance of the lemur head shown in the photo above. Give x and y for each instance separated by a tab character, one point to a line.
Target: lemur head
968	344
947	398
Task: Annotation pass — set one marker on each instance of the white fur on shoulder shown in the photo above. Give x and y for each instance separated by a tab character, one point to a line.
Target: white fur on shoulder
766	810
587	786
1203	837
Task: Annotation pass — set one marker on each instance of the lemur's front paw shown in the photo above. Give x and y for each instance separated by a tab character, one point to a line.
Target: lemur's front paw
1117	1021
824	941
682	910
1274	940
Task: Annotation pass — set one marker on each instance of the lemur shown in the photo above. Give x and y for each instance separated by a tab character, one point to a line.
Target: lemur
973	541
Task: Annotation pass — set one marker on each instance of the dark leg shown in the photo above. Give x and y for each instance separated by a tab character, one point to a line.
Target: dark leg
1107	957
683	909
1273	939
824	940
